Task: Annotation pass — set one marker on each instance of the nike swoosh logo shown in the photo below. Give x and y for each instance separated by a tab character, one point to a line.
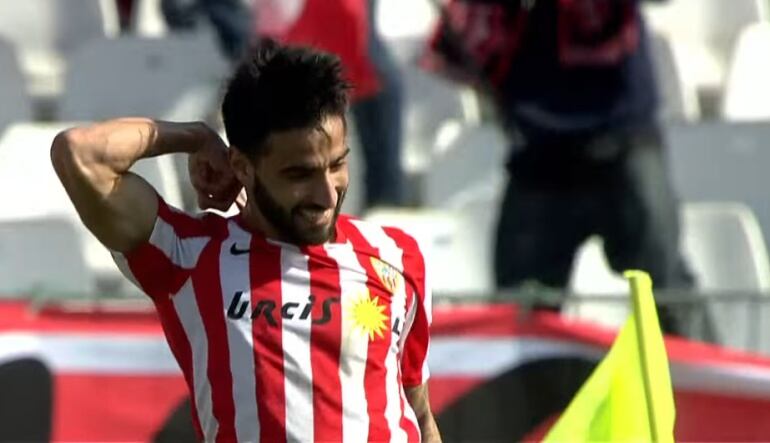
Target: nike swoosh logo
235	251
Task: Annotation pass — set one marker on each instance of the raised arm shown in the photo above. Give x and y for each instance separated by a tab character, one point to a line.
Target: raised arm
117	206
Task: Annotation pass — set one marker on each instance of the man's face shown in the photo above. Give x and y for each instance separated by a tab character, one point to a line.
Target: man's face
300	181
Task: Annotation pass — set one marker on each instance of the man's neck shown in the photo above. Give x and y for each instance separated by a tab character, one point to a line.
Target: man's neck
255	221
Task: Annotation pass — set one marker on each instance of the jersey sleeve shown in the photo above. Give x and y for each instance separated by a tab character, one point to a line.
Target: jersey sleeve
160	266
414	358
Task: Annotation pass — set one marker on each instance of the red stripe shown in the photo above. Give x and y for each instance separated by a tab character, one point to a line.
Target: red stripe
447	390
702	416
508	320
376	372
185	225
208	295
155	272
265	274
325	342
412	432
416	345
410	248
180	347
111	407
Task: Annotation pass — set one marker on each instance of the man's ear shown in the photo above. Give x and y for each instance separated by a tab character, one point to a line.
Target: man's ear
242	167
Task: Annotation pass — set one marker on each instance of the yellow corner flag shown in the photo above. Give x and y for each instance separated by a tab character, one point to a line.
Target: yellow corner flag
628	397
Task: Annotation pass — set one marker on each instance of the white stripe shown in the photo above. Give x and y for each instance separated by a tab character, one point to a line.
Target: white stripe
411	311
295	334
94	354
355	346
183	252
187	310
122	262
148	355
391	254
490	357
236	278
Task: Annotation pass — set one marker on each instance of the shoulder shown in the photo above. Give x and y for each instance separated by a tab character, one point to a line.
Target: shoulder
381	236
185	224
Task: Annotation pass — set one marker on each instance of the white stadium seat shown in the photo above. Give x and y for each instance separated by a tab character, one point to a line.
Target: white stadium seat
25	164
458	243
724	248
722	161
678	97
393	23
726	251
747	92
592	276
430	102
474	156
16	105
703	33
46	32
43	255
148	19
139	76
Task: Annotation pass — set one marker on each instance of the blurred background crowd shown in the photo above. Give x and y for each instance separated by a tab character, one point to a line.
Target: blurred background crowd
537	147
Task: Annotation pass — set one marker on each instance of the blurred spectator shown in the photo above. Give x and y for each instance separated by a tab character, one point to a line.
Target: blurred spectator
348	29
125	14
231	20
573	84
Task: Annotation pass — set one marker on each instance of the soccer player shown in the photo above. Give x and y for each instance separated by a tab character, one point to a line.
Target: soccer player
290	321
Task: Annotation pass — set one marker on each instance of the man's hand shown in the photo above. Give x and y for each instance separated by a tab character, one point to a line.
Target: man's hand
211	175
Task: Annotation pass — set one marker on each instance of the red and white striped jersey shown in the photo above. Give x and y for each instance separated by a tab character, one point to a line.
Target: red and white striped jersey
285	343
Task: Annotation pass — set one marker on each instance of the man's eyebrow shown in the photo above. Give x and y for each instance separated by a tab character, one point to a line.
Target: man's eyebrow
342	157
308	167
299	168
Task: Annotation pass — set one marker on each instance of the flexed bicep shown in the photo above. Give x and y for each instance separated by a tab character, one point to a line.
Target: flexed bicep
93	164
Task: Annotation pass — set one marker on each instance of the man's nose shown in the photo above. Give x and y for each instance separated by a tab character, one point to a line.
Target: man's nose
324	191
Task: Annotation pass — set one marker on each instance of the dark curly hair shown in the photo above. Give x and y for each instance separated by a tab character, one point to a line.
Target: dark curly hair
279	88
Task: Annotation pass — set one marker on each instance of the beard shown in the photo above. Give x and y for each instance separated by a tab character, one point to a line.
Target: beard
285	221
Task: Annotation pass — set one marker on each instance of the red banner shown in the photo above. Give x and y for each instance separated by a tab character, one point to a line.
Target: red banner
497	374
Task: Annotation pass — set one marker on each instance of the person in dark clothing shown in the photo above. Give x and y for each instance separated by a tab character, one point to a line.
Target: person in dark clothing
574	87
231	20
379	125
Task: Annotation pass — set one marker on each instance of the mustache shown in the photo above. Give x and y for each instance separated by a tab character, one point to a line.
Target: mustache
311	207
319	208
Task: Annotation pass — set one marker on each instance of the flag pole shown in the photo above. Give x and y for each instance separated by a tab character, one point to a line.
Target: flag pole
641	295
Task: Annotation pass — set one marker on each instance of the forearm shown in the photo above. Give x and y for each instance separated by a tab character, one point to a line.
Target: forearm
92	163
115	145
419	400
429	429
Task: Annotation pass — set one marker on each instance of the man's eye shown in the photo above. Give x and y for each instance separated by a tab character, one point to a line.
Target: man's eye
298	174
338	166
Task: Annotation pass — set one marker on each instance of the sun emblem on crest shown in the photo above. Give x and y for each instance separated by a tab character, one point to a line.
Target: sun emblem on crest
369	316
